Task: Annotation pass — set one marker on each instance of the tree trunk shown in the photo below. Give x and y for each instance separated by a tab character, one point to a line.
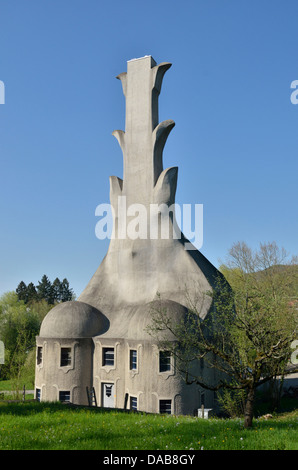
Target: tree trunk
249	408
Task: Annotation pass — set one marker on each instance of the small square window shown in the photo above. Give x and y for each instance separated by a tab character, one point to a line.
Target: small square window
133	359
39	355
164	361
108	357
64	396
65	357
165	406
133	403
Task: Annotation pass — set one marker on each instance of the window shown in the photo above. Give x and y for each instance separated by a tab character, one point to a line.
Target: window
37	394
133	403
65	357
39	355
108	356
64	396
165	406
133	359
164	361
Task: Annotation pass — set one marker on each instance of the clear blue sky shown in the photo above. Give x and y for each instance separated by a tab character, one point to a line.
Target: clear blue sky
235	140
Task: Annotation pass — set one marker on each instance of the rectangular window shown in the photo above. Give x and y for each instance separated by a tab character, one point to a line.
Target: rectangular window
165	406
108	356
64	396
37	394
133	403
133	359
65	357
164	361
39	355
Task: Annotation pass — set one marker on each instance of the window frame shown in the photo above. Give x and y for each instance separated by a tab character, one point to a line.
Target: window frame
133	360
165	363
133	403
38	394
39	355
67	393
66	358
105	360
165	403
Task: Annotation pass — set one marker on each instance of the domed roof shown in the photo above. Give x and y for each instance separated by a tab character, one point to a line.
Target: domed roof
73	319
143	316
132	322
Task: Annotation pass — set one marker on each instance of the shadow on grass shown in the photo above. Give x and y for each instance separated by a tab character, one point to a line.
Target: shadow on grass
28	407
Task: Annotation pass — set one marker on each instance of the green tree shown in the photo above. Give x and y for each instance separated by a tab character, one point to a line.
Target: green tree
57	290
19	326
248	334
26	293
66	292
21	291
44	290
40	308
31	292
26	328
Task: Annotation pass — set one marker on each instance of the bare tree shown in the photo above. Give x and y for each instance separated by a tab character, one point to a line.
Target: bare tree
247	335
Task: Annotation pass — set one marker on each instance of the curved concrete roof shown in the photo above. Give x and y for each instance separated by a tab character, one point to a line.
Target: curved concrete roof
131	322
73	319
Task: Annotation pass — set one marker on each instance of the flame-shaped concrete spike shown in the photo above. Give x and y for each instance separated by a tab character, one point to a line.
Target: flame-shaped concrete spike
144	138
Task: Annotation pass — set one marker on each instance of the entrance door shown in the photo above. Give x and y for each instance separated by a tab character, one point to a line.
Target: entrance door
108	395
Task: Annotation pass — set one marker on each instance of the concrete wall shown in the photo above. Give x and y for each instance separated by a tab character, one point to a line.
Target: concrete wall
146	382
51	377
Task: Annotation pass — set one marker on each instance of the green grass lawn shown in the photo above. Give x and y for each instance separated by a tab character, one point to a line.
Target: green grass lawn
12	392
11	385
33	425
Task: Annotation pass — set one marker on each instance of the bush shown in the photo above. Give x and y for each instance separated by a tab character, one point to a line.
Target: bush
232	402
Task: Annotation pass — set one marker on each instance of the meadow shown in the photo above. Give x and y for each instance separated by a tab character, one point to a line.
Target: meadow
32	425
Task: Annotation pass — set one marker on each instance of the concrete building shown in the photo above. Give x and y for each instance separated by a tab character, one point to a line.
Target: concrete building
100	341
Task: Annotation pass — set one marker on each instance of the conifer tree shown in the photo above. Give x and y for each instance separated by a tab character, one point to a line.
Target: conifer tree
66	291
44	290
21	291
31	292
